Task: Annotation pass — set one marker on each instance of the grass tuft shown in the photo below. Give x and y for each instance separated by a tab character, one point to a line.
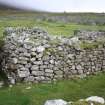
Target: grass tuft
69	90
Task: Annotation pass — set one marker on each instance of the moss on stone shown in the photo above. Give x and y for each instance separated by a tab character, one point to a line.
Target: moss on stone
55	42
87	45
49	50
92	45
1	41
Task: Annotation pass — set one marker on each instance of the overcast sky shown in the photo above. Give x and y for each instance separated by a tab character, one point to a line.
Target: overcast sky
58	5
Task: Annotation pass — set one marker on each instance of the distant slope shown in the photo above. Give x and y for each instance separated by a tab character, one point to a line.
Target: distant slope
5	7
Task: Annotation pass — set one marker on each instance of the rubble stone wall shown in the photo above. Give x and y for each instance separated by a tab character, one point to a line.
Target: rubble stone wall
32	55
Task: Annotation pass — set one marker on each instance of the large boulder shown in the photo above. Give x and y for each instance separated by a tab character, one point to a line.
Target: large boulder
96	99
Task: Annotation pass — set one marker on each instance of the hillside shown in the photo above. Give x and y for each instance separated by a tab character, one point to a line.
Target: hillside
5	7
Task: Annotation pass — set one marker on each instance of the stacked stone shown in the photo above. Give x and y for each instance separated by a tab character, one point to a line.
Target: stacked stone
31	55
89	35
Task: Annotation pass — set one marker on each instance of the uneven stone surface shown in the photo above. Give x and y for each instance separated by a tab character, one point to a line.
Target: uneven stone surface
56	102
32	55
93	100
96	99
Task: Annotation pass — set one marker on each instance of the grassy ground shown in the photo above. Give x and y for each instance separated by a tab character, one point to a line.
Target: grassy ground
21	19
69	90
52	28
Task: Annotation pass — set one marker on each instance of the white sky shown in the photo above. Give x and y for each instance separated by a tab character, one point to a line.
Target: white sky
59	5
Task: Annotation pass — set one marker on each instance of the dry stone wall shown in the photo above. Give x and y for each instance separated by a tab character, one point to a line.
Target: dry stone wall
32	55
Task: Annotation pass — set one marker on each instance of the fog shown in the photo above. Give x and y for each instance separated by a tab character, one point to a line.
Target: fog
58	5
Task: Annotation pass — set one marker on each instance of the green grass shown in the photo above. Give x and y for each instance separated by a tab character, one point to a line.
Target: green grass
24	19
52	28
69	90
92	45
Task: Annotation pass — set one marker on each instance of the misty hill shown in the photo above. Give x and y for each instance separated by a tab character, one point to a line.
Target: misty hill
5	7
77	18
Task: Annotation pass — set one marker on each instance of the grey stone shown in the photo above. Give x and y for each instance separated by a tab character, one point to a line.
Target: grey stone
74	72
58	76
21	50
34	67
40	49
28	47
22	62
40	78
80	71
33	59
30	79
48	71
28	65
51	75
39	55
38	62
96	99
15	60
12	81
27	55
71	56
43	66
73	67
56	102
79	67
33	49
50	66
33	53
104	62
52	61
20	66
23	58
23	74
24	69
38	73
1	84
60	48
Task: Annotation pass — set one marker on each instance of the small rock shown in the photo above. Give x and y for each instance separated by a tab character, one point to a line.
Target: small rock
29	79
23	74
40	49
15	60
27	54
1	84
28	88
34	67
56	102
10	86
12	81
33	49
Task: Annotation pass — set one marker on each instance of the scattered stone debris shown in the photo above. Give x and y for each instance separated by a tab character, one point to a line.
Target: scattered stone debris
90	101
